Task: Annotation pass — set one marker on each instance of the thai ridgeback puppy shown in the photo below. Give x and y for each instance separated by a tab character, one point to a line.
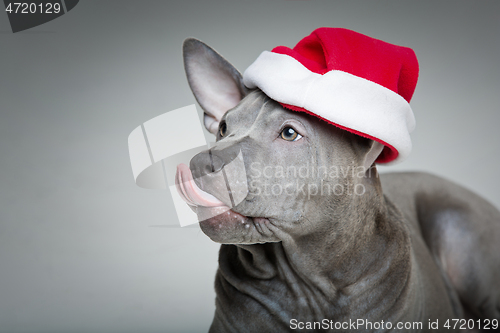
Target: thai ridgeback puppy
321	242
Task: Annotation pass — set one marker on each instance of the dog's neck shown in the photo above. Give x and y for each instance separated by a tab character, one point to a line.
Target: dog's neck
317	273
341	252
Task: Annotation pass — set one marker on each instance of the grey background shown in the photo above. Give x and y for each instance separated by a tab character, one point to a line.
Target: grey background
82	249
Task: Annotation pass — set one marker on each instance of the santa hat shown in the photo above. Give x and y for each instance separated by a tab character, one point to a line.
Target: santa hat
355	82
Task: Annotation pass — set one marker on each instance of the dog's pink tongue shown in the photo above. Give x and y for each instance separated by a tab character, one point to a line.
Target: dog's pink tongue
190	192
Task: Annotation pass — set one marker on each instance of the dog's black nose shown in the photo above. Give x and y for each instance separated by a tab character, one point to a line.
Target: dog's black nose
205	163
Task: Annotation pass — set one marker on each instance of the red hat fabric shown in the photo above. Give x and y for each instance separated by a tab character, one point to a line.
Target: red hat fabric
355	82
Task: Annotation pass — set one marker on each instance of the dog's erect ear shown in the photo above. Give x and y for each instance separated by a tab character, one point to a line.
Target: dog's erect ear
215	83
375	150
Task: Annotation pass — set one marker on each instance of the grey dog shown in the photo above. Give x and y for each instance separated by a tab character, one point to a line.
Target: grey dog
356	247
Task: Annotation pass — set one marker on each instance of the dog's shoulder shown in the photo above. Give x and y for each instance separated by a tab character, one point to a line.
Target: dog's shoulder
425	187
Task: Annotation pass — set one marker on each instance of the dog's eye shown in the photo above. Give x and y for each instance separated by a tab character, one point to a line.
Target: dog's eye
289	134
222	129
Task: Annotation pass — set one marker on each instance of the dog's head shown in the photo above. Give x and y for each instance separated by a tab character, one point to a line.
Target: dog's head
300	172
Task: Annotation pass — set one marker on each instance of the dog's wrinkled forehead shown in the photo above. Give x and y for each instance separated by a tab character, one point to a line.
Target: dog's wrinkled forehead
247	111
257	114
